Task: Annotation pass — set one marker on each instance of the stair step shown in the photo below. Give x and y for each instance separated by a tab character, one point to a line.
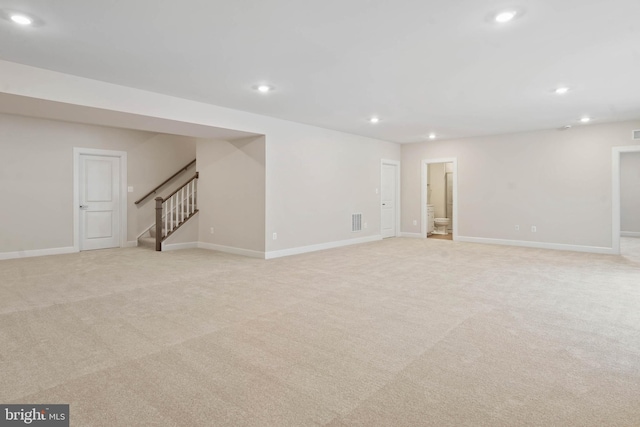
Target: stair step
149	242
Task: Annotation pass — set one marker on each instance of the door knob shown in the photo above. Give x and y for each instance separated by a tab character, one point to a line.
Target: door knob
84	206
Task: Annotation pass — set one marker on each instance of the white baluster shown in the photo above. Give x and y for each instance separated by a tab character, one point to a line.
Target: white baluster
188	203
193	196
172	214
176	207
166	217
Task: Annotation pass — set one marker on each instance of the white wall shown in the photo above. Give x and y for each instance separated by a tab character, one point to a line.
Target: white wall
559	181
316	180
231	193
315	177
186	237
36	176
630	193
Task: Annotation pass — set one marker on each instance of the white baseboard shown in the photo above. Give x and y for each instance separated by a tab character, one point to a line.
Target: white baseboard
37	252
178	246
131	244
540	245
630	233
412	235
320	247
231	250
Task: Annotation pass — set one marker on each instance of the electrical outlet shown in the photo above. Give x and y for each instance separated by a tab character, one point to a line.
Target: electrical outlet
377	191
533	229
211	230
517	228
130	189
364	225
275	236
415	222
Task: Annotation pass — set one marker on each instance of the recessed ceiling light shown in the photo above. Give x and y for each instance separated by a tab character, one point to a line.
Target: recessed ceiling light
374	120
561	90
432	136
505	16
264	88
21	19
585	120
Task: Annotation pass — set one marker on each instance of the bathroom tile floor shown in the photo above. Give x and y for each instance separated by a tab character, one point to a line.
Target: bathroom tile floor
441	236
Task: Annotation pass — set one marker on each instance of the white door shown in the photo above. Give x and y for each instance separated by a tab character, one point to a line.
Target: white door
99	188
388	199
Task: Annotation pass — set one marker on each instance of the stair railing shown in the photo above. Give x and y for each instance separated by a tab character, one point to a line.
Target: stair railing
175	209
166	181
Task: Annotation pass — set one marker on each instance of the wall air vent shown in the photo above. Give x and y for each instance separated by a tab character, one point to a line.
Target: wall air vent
636	134
356	222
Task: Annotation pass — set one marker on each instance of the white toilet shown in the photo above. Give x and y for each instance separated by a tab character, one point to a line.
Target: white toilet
441	225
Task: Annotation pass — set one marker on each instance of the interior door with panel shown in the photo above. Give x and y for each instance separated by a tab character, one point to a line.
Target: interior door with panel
449	198
99	187
388	200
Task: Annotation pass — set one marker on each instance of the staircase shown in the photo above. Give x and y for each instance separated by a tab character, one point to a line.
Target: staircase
171	213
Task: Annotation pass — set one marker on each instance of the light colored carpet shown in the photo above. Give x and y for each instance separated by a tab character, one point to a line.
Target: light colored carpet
394	333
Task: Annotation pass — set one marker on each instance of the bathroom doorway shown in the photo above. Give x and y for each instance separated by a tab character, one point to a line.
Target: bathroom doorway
629	173
439	196
621	156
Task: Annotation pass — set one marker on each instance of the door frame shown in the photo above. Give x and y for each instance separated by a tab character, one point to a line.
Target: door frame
423	194
615	194
395	163
122	155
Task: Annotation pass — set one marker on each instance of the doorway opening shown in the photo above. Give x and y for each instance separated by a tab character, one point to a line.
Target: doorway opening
99	199
439	198
626	202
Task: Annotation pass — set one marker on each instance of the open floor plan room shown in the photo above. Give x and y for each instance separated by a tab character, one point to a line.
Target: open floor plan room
397	332
336	213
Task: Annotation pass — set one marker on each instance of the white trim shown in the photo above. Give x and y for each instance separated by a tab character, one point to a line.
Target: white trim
423	194
398	199
539	245
320	247
630	233
178	246
411	235
615	193
230	250
122	155
37	252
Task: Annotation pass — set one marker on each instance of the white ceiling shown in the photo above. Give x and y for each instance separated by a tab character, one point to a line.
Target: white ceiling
421	65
